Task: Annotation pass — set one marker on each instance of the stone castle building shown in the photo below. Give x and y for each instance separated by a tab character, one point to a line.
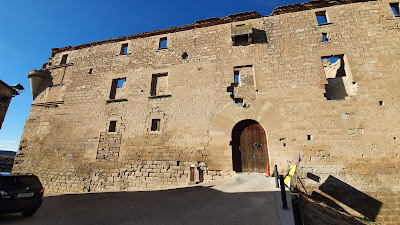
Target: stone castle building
232	94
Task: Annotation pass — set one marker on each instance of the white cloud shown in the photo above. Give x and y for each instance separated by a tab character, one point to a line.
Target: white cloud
9	145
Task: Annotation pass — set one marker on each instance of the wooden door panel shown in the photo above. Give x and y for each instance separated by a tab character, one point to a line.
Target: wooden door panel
253	149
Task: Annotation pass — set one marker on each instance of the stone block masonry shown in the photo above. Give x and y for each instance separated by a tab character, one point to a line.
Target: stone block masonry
135	112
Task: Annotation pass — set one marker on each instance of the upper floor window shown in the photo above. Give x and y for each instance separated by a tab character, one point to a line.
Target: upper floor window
163	43
124	49
324	37
322	18
395	8
64	59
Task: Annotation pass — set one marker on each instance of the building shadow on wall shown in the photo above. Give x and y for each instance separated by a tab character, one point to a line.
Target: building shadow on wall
348	195
191	205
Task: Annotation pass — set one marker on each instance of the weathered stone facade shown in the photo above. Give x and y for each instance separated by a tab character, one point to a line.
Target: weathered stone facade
135	112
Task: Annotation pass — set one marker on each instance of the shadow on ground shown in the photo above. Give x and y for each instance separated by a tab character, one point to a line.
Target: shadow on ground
192	205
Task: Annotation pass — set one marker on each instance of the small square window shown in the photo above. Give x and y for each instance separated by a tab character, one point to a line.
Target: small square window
155	124
185	55
113	125
163	43
395	8
64	59
324	37
124	49
321	17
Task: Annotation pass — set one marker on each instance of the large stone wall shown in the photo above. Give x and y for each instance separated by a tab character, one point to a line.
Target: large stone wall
349	147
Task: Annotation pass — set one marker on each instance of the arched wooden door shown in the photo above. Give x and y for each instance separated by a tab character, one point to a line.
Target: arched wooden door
249	147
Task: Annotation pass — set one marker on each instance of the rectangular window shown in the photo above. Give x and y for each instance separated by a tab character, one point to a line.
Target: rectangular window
321	17
236	76
113	125
324	37
163	43
124	49
64	59
159	84
155	124
395	8
116	84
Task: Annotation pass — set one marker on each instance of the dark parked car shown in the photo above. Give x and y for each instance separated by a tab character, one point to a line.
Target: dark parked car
20	193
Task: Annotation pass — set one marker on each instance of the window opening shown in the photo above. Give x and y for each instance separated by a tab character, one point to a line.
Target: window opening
116	83
321	17
90	71
64	59
113	125
238	100
124	49
236	76
241	40
309	137
155	124
163	43
395	8
340	84
185	55
380	103
159	84
324	37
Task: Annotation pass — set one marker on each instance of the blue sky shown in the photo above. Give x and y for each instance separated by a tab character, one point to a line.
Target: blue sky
29	29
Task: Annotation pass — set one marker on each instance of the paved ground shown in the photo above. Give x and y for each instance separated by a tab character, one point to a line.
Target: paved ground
243	199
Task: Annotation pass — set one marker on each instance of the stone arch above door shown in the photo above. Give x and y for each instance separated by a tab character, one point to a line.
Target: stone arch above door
219	151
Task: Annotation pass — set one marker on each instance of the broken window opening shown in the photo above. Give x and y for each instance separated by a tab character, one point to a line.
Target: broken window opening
155	124
241	40
324	37
159	84
163	43
116	83
124	49
321	17
185	55
259	36
113	125
395	8
340	84
64	59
